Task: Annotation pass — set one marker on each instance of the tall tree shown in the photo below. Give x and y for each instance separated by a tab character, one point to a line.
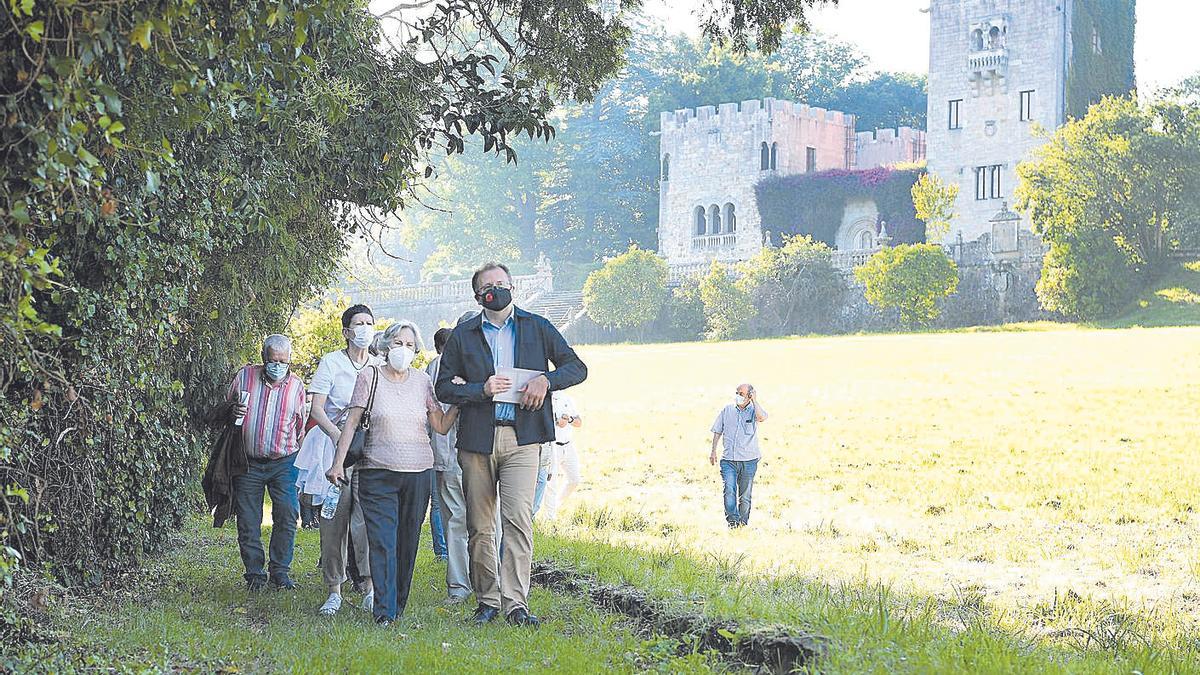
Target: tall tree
1116	186
176	175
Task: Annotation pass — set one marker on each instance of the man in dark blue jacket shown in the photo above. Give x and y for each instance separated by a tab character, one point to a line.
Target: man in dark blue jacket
498	443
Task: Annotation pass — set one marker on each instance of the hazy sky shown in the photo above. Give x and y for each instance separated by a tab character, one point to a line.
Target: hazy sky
895	34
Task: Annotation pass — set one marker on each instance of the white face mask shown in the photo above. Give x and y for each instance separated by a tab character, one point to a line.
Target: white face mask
400	358
363	336
740	400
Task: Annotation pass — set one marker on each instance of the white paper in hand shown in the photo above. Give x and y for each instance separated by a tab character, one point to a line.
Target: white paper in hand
519	377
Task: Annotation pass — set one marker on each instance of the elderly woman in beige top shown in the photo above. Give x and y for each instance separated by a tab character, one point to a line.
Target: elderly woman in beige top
395	473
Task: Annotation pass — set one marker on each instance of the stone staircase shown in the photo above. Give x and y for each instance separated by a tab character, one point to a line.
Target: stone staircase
560	307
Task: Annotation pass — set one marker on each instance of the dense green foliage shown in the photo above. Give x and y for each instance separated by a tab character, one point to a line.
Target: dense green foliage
1102	57
153	153
912	278
813	204
933	201
727	306
794	288
593	190
1112	194
628	291
177	176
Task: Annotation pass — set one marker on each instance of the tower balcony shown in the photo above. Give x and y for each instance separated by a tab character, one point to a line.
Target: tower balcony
714	242
988	60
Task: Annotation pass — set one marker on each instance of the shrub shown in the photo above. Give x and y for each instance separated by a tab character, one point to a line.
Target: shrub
1086	278
686	312
933	201
794	288
911	278
727	308
628	291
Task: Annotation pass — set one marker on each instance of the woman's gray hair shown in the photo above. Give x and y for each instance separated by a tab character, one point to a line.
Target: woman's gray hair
383	342
276	341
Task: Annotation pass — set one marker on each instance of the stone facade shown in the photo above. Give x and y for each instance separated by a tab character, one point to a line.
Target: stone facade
997	71
712	157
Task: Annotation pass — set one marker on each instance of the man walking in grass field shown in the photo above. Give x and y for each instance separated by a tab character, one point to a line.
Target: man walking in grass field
500	433
737	424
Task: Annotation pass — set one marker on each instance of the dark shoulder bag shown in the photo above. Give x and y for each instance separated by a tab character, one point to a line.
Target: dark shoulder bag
357	446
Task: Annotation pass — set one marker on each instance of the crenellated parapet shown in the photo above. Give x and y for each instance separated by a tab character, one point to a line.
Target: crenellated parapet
749	113
887	147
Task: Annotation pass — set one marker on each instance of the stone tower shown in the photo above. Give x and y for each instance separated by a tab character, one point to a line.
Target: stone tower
998	70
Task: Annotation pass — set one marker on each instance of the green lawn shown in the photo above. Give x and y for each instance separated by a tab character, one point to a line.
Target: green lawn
1173	300
1010	468
1018	501
191	610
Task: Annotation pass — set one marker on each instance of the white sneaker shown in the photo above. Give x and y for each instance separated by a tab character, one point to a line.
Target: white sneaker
369	601
332	605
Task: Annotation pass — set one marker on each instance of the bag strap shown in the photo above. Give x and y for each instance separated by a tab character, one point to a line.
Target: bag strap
374	385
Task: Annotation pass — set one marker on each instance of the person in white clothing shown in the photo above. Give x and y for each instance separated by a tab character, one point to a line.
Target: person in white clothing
332	387
565	458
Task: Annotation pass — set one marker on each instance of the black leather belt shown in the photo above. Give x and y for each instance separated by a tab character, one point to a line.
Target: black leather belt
506	423
563	443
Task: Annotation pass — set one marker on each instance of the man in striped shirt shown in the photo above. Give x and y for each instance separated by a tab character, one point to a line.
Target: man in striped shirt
271	433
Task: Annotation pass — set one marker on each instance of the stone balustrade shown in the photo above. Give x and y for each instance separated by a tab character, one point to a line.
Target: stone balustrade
846	261
987	60
525	288
714	242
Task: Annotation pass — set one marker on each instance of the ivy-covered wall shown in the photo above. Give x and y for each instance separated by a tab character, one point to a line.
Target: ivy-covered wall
813	204
1091	75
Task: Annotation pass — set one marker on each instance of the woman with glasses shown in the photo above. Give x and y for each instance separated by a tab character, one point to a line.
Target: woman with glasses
396	471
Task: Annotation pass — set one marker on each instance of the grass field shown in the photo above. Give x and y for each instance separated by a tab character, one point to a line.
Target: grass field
983	501
1015	467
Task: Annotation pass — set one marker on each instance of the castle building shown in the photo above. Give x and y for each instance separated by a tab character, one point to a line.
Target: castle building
712	158
999	71
1002	73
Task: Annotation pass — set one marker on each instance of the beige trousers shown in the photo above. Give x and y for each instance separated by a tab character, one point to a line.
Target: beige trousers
335	531
506	479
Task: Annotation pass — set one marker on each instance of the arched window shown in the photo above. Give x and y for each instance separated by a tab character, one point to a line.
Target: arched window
774	156
730	218
994	38
864	241
714	219
666	167
701	222
764	157
977	40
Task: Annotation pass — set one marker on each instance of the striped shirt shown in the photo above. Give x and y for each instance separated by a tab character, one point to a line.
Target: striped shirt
274	423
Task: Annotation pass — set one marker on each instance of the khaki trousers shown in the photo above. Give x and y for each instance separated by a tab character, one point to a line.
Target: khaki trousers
347	523
505	479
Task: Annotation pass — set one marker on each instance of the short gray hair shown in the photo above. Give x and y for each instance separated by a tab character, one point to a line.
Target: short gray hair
276	341
383	343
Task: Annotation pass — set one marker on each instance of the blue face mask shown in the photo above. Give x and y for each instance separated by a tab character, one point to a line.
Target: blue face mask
276	371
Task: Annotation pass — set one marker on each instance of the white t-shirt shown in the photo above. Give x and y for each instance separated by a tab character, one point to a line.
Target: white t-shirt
335	378
563	404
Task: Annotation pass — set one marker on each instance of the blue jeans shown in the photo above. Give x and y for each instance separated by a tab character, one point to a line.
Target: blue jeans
540	490
393	504
277	477
739	482
436	529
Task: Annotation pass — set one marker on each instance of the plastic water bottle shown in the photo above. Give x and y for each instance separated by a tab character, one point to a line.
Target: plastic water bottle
329	506
243	398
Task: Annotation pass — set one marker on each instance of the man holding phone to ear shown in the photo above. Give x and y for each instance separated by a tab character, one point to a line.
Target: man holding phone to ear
738	424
